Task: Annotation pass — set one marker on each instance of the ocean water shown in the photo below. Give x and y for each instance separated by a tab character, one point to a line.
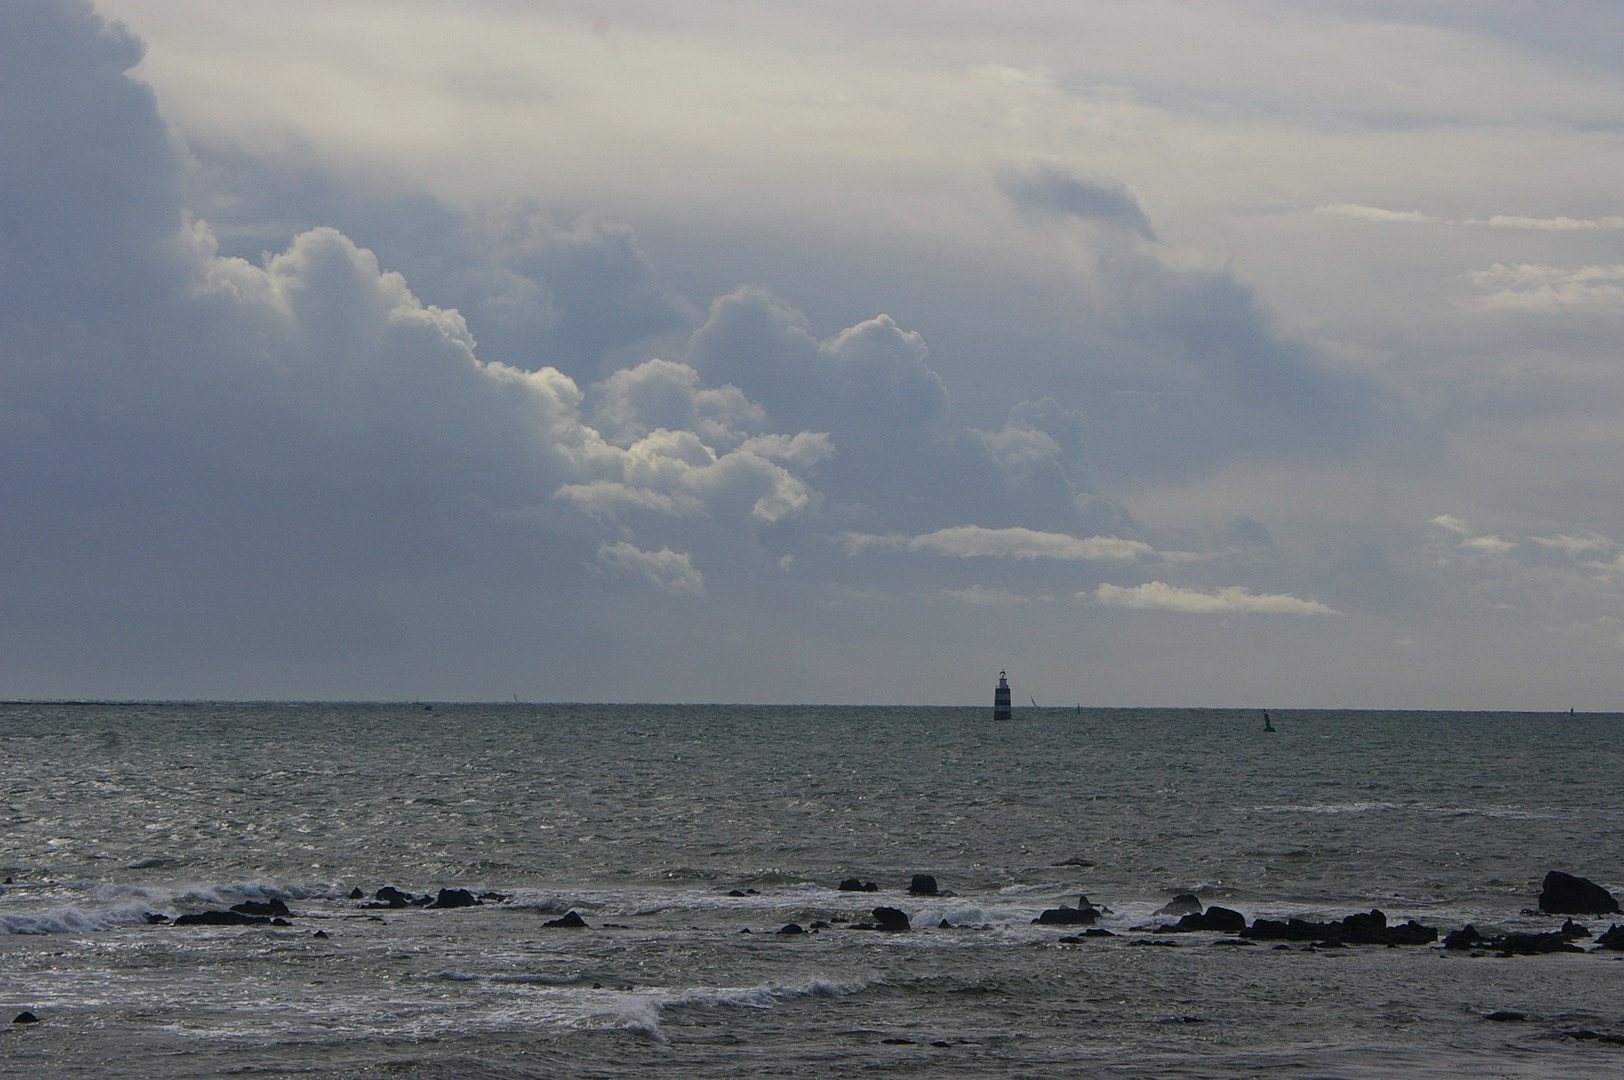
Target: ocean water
643	819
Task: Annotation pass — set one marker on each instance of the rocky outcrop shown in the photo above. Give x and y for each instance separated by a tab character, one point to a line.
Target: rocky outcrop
891	919
1564	894
923	885
1613	939
222	918
852	884
1365	928
272	909
1468	937
569	921
1220	919
450	898
1084	915
1182	904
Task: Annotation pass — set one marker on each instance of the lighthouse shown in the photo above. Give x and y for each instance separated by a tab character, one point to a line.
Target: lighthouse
1000	698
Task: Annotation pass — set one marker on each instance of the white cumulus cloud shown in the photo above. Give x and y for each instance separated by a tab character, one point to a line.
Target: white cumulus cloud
669	571
1230	600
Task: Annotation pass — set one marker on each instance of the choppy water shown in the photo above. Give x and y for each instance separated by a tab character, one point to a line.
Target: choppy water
643	818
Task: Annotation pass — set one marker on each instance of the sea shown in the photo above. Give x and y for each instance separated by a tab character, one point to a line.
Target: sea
686	837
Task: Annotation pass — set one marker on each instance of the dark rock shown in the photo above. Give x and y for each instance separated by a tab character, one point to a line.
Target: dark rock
222	918
280	922
752	892
737	892
25	1017
1375	920
254	907
1220	919
154	918
450	898
940	1042
1533	944
1506	1017
890	918
1564	894
320	934
493	897
852	884
923	885
1466	937
357	894
423	901
791	928
1369	928
746	930
1615	1040
1573	931
569	921
1068	916
819	924
1182	904
1613	939
899	1042
944	925
1084	863
1095	931
392	896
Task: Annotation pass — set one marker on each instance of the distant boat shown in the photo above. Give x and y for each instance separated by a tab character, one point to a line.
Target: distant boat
1266	725
1000	698
1034	702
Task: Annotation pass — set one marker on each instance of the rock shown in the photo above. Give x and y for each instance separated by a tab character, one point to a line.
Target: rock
852	884
1564	894
1573	931
1182	904
155	919
1534	944
392	896
357	894
819	924
450	898
223	918
254	907
1466	937
320	934
737	892
493	897
1505	1016
944	925
1368	928
1216	918
280	922
791	928
25	1017
1074	861
570	921
923	885
1069	916
890	918
1613	939
423	901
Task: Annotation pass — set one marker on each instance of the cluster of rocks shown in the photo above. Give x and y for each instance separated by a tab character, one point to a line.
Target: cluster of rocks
273	912
1083	914
1468	938
391	897
921	885
1368	928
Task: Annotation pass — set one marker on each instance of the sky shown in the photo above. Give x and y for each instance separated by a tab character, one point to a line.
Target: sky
1251	354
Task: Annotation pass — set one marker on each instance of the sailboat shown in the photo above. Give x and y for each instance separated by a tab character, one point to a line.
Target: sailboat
1266	725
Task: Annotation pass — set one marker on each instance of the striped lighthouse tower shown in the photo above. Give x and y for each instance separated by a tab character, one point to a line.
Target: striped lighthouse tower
1000	698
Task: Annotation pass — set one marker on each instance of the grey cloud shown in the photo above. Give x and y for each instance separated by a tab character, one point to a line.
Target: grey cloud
1049	189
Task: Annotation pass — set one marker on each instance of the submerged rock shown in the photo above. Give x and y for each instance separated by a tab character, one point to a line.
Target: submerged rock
852	884
156	919
791	928
1182	904
923	885
450	898
570	921
1564	894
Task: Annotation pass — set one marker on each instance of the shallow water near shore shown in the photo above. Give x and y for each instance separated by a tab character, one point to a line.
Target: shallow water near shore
644	818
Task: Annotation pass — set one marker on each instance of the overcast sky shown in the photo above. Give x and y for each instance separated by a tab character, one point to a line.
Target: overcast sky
1243	354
